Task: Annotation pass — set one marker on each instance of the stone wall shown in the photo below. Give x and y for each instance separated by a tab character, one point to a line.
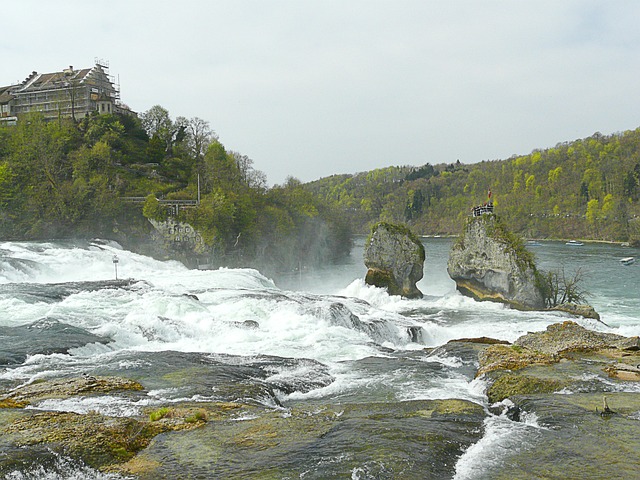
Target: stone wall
179	237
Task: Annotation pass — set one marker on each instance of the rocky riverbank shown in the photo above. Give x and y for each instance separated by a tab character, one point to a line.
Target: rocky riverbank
237	440
581	386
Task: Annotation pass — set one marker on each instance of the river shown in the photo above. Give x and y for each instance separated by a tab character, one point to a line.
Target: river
315	336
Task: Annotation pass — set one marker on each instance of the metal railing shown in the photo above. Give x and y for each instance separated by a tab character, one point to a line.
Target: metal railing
482	210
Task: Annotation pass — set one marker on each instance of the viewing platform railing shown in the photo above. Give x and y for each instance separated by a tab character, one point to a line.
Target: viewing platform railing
173	205
482	210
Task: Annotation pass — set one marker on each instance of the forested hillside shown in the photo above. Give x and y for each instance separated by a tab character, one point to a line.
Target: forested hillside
66	179
588	188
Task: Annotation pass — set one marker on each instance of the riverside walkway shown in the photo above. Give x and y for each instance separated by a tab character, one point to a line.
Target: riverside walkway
175	205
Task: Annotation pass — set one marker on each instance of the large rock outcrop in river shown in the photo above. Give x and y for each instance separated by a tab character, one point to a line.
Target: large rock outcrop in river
490	263
395	259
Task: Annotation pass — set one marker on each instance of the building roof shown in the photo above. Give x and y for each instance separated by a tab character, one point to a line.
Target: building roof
45	81
5	95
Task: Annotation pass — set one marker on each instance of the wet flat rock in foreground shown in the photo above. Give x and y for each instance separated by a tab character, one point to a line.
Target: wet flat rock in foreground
415	439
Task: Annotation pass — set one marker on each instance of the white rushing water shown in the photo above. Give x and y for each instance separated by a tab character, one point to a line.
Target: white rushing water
160	313
310	315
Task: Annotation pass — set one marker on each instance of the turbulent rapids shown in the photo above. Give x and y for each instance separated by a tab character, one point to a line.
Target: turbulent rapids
316	342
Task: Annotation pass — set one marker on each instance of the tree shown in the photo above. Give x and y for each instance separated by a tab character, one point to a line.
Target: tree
156	120
593	211
152	209
220	170
6	187
157	123
414	205
199	137
559	288
530	182
252	178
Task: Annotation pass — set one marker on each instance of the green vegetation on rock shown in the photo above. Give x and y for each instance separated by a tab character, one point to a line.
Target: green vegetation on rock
158	414
509	385
400	230
511	357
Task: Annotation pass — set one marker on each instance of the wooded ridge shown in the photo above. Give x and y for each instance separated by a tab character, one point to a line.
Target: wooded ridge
587	188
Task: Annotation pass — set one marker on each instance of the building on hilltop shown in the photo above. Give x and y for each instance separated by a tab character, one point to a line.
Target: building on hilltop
68	93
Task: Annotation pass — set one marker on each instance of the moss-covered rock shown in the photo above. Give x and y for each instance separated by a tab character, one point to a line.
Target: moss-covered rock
542	362
94	438
66	387
569	336
574	440
97	440
404	440
557	380
511	357
395	258
509	385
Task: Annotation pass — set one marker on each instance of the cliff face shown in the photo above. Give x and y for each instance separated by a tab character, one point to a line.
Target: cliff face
395	259
488	263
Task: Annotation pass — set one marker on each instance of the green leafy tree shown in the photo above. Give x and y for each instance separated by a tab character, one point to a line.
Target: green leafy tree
153	209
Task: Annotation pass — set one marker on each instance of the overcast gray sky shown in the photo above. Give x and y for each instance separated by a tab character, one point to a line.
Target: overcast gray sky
310	88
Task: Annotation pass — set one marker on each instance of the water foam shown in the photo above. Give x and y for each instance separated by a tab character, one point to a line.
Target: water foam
107	405
63	468
501	438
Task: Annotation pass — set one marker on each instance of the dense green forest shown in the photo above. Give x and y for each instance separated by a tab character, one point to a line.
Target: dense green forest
588	189
66	179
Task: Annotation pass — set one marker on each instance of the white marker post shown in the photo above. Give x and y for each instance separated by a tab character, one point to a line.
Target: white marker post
115	264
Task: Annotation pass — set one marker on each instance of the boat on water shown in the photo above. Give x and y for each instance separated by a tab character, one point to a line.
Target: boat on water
574	243
628	260
533	243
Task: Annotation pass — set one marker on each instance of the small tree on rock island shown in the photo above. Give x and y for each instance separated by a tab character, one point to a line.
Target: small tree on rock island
559	288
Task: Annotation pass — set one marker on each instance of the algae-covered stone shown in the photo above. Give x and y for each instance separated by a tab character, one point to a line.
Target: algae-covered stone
509	385
96	439
573	440
569	336
569	433
511	357
395	258
404	440
583	351
66	387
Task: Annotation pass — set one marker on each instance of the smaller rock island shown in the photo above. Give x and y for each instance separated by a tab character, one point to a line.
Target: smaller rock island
395	258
